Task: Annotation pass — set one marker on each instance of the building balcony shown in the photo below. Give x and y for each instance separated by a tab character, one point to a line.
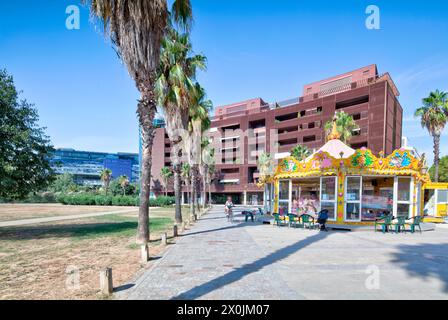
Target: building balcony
261	130
233	137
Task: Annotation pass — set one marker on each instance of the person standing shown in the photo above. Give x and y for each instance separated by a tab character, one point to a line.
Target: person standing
228	209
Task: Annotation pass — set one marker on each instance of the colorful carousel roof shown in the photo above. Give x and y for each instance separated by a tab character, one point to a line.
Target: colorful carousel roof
400	162
335	148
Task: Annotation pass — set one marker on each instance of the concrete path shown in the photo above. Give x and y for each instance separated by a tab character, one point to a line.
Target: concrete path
218	260
213	260
22	222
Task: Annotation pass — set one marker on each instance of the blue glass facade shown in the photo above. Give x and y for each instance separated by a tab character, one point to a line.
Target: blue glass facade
86	166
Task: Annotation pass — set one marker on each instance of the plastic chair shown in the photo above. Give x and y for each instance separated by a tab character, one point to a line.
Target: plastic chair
400	224
385	222
415	223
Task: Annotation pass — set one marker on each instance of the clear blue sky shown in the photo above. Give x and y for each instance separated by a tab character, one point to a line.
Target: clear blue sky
267	49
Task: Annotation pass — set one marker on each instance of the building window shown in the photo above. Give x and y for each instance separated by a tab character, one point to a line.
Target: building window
353	187
309	139
328	187
357	116
403	197
286	117
311	125
352	102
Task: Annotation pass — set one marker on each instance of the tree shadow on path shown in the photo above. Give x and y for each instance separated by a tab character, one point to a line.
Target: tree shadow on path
424	261
237	224
249	268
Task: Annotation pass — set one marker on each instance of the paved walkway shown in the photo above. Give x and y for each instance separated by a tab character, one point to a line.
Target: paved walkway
219	260
22	222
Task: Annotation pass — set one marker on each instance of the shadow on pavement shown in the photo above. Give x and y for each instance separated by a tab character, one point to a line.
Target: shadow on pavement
236	224
424	261
249	268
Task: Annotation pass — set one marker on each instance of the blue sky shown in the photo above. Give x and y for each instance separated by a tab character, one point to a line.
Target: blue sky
267	49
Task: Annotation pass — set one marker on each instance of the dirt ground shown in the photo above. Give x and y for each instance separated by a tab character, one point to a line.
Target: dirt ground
45	261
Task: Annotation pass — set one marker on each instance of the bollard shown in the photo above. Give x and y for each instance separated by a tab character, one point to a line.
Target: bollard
144	253
106	282
175	232
164	239
182	228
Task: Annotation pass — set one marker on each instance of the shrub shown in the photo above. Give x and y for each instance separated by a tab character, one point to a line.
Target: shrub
162	201
103	200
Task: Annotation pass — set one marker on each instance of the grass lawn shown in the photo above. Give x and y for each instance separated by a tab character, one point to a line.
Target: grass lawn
35	259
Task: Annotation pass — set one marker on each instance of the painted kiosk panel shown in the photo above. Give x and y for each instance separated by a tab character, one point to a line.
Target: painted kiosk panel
356	186
435	202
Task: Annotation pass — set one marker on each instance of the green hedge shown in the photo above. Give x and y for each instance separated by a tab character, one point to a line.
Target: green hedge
103	200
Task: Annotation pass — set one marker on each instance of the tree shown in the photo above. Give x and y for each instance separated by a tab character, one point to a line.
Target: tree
199	122
124	182
186	176
166	174
300	152
265	164
174	89
443	170
136	29
345	126
210	175
434	116
106	176
25	149
63	183
116	188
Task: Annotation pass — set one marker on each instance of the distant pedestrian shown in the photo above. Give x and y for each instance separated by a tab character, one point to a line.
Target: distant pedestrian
228	209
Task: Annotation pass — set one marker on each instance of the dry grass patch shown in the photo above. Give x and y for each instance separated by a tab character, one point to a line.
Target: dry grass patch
9	212
34	259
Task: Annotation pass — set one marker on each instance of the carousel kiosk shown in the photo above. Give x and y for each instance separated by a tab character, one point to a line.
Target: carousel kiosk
356	186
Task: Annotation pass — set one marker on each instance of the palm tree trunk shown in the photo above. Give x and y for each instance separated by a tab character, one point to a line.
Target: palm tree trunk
146	110
436	157
193	192
209	190
204	190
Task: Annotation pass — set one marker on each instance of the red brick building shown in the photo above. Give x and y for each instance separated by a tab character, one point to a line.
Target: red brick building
241	131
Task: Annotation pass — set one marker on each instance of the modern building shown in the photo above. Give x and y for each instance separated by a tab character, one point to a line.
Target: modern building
241	131
86	166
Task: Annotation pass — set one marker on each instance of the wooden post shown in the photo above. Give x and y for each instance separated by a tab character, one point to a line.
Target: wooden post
164	239
175	232
144	253
106	282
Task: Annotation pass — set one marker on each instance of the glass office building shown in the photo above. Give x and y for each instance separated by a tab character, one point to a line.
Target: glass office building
86	166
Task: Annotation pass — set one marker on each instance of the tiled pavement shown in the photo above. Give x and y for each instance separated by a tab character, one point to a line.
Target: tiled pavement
213	260
219	260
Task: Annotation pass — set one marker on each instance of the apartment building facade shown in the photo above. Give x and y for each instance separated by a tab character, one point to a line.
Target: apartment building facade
241	131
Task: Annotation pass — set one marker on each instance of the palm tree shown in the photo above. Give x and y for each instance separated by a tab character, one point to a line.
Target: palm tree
166	174
174	89
199	122
203	168
185	173
136	29
210	175
265	164
300	152
124	182
106	177
344	124
434	116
